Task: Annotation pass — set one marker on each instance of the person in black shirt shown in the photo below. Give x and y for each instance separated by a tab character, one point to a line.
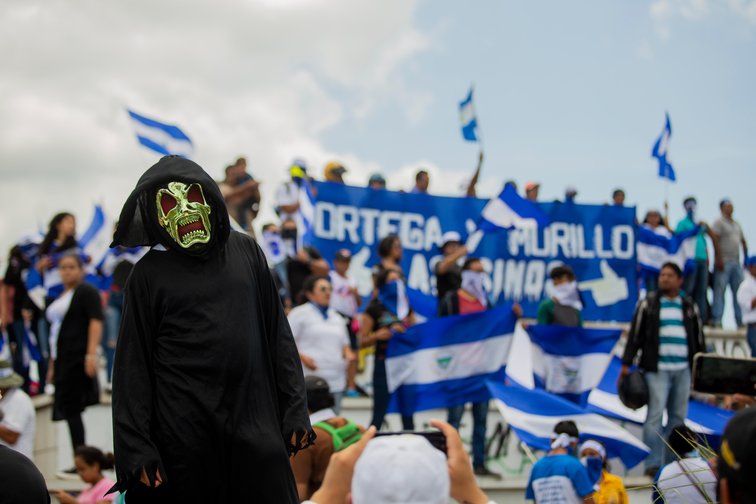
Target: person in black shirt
377	325
13	320
301	263
448	271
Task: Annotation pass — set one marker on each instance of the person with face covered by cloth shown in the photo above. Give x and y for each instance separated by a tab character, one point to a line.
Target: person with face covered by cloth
208	394
472	297
564	307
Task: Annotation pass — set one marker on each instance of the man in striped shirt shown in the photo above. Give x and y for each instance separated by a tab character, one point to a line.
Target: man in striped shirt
667	331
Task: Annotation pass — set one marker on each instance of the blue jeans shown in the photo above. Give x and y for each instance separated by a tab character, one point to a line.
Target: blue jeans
480	416
112	327
751	336
668	390
731	275
695	286
381	398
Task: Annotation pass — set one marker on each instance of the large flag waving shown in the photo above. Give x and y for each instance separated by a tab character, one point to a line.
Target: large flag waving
532	414
163	138
567	361
702	418
467	118
653	250
660	150
446	361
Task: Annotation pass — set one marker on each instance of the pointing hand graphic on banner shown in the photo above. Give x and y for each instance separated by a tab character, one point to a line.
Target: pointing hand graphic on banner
607	290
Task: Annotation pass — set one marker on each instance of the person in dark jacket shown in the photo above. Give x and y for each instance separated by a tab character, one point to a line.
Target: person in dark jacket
208	394
667	330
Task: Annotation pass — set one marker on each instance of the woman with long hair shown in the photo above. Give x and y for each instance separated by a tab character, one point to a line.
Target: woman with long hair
75	333
387	313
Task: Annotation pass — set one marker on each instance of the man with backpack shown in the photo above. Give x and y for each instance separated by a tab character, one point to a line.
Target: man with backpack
334	433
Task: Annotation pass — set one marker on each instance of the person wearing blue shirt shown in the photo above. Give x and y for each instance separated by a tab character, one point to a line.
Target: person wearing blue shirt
559	477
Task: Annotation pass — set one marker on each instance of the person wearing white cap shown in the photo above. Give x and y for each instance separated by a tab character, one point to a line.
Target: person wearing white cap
448	270
403	468
17	415
609	487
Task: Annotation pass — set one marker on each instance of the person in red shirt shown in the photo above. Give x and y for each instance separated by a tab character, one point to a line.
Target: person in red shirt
472	297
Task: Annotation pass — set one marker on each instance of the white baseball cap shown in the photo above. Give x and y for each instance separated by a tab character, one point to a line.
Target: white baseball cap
404	468
450	237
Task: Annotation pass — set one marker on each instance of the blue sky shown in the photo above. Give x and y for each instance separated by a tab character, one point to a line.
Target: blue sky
575	93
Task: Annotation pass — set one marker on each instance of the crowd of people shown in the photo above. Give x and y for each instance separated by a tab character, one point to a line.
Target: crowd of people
74	325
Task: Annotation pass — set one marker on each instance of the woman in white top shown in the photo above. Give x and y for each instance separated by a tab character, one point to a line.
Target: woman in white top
322	337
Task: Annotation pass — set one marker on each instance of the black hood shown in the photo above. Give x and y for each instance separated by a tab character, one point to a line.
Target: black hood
138	223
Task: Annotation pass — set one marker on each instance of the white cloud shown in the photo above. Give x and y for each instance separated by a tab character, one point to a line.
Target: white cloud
263	79
664	11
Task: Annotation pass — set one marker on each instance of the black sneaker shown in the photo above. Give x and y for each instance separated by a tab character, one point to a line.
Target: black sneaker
485	472
68	474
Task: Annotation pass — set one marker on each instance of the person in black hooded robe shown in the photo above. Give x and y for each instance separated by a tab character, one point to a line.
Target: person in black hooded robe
208	394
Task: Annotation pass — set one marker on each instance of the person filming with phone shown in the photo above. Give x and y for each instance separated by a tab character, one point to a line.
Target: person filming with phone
666	329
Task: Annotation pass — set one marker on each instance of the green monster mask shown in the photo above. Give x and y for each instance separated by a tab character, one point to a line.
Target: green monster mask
184	213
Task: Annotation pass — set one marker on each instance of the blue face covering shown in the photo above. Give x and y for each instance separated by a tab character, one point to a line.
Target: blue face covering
594	466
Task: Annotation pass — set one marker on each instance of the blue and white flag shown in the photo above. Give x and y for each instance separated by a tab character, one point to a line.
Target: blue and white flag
567	361
92	247
306	214
163	138
653	250
113	257
702	418
532	414
446	361
510	210
467	118
660	150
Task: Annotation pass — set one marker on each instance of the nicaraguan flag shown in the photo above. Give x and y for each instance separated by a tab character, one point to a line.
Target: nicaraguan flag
467	118
165	139
510	210
703	419
660	150
532	414
654	250
567	361
446	361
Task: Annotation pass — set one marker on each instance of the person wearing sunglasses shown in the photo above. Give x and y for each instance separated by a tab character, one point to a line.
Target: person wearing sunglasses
322	338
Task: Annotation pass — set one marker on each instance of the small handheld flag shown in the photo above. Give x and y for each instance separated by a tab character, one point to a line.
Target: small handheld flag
165	139
467	118
660	149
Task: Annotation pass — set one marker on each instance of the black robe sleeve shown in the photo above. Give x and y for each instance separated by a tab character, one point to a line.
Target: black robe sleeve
292	399
132	388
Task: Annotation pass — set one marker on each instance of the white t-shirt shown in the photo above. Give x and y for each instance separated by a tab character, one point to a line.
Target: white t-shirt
342	299
675	487
19	417
287	194
746	293
324	340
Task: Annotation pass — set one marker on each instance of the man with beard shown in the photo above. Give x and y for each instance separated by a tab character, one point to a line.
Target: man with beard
208	394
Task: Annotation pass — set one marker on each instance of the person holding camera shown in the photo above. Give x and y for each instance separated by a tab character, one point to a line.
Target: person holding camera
667	330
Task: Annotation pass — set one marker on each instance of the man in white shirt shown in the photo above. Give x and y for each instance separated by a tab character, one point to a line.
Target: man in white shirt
287	195
17	415
688	479
746	299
